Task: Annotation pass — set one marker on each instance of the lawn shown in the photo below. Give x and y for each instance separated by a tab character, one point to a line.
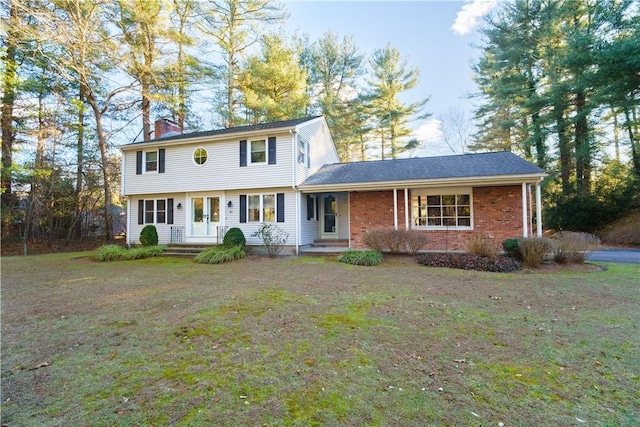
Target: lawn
310	341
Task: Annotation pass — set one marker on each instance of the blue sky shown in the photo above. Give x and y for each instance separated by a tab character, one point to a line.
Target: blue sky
435	36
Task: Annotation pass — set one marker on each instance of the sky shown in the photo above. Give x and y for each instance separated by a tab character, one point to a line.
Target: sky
437	37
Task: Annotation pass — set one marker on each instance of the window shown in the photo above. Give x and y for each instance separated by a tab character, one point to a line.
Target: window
442	211
200	156
150	161
262	208
155	211
258	151
302	151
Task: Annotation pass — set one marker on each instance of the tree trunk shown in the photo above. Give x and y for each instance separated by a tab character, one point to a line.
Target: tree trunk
77	225
635	149
582	144
564	146
8	99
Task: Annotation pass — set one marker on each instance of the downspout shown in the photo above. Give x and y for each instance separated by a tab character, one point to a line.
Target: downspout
294	163
525	228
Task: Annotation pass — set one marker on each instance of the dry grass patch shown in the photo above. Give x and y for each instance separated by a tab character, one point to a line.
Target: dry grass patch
294	341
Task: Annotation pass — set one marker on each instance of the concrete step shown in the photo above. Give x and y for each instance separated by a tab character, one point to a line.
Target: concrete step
330	243
185	249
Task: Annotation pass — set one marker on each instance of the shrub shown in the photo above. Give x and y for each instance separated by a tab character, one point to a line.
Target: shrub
395	241
623	232
273	237
512	248
119	253
234	237
220	254
533	250
482	245
573	247
360	257
466	261
149	236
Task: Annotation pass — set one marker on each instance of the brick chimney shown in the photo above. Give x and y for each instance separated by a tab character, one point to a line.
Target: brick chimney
166	127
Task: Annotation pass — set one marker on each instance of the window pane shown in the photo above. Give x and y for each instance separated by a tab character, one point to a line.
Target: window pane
151	161
254	208
464	199
269	205
434	212
464	222
433	200
449	199
449	222
149	211
258	151
161	208
198	209
464	211
449	211
434	221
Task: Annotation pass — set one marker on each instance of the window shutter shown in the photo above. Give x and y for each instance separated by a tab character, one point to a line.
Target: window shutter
161	160
310	208
272	150
140	211
317	209
138	162
169	211
280	207
243	208
243	153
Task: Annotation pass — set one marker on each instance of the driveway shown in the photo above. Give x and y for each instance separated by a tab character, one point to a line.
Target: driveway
616	255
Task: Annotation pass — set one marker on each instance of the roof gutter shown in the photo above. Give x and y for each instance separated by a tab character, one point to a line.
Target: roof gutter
441	182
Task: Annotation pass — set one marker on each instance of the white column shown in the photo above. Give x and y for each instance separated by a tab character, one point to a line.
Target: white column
395	208
406	208
538	210
525	227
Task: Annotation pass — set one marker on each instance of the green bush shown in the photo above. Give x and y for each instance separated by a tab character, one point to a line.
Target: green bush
482	245
119	253
234	237
273	237
534	250
220	254
572	248
360	257
512	248
149	236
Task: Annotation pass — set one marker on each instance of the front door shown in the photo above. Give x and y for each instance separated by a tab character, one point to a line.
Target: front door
329	217
205	216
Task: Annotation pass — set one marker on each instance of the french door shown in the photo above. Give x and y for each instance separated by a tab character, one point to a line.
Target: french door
205	216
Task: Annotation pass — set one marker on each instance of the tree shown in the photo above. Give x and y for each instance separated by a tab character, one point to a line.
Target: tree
456	129
235	25
273	83
391	77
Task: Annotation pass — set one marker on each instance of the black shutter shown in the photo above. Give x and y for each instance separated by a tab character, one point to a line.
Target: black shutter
310	208
243	208
138	162
280	207
243	153
317	209
169	211
272	150
161	160
140	211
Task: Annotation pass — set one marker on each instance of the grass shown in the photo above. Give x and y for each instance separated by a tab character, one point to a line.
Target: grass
260	341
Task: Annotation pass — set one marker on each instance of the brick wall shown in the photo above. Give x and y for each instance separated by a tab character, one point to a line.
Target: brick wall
497	212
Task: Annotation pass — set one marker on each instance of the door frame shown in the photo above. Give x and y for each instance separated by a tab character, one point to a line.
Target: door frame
206	208
335	233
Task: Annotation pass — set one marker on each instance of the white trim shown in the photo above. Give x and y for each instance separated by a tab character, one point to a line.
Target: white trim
525	228
406	209
395	208
538	210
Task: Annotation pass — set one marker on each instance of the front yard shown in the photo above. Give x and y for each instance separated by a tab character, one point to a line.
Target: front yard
310	341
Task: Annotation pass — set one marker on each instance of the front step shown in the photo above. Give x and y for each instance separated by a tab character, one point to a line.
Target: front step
190	250
330	243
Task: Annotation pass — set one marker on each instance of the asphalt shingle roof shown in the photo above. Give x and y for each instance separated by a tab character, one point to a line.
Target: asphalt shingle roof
423	168
237	129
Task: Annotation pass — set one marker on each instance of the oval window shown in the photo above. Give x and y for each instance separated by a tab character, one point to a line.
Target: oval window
200	156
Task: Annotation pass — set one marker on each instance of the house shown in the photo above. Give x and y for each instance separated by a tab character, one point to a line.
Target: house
193	187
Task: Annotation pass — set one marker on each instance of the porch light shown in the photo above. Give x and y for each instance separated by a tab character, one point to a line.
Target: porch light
179	206
230	204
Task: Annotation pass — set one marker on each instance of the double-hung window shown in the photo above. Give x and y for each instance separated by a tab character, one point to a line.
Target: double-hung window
440	210
262	208
302	151
155	211
150	161
258	151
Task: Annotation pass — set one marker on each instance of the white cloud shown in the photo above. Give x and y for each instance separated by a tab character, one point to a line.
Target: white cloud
429	131
471	12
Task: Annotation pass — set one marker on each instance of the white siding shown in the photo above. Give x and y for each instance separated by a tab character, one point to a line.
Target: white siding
222	170
308	228
321	149
164	230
